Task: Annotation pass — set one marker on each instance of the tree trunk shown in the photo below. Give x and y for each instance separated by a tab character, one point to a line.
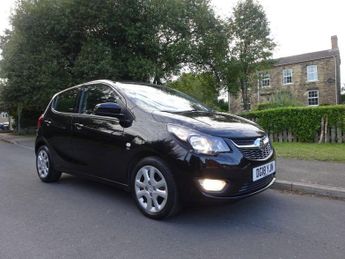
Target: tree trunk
19	117
243	93
244	89
322	133
157	80
229	101
246	106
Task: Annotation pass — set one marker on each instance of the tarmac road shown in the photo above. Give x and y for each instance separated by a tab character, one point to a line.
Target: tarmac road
76	218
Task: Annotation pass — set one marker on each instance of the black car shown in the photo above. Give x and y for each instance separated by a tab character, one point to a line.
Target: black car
161	145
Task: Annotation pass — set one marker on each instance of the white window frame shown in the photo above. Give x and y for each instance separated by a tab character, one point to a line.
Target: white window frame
287	73
317	97
312	75
264	78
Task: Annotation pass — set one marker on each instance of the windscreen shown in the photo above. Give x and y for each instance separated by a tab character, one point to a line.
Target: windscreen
160	98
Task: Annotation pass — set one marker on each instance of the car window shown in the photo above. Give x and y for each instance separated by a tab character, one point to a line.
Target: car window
96	94
160	98
66	101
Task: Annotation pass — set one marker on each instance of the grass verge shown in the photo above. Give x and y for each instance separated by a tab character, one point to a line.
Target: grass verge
311	151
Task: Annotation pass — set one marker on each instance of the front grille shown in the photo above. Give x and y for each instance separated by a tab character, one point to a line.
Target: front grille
257	153
255	186
243	141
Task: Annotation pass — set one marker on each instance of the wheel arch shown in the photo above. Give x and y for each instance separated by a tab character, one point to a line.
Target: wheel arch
39	143
135	160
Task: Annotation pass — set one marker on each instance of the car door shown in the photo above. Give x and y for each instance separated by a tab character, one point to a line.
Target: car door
57	128
98	142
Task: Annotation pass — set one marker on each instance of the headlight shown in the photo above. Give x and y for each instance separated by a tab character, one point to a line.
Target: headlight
201	143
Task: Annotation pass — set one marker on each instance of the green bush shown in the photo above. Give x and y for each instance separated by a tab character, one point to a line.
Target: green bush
266	106
222	106
282	98
303	122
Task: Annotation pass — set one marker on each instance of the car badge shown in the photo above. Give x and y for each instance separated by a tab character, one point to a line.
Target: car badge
261	142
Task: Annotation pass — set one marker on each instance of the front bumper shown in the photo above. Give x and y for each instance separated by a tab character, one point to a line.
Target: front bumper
244	193
232	167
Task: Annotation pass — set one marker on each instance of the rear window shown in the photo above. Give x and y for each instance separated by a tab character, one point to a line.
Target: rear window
66	101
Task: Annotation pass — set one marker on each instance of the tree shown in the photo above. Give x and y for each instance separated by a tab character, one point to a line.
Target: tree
251	43
54	44
202	87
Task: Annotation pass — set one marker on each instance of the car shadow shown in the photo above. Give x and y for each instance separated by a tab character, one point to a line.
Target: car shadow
93	186
205	215
95	194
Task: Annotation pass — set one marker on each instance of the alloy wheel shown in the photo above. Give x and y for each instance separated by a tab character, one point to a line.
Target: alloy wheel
43	163
151	189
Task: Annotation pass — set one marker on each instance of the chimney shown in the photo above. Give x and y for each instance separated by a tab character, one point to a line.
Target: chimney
334	40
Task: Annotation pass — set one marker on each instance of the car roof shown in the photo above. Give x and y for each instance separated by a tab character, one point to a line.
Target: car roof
108	82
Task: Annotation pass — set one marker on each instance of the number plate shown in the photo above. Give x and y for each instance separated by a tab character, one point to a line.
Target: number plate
264	170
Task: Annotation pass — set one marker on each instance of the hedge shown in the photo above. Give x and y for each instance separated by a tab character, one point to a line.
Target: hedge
303	122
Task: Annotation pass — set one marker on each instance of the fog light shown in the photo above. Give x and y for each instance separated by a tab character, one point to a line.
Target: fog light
212	185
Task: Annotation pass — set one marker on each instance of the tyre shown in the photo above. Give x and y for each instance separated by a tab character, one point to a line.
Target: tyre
45	167
154	189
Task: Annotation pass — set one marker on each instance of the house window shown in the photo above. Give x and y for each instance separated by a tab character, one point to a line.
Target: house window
265	80
287	76
313	97
312	73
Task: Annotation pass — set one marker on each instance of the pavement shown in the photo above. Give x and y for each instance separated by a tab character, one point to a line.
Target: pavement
24	141
303	176
311	177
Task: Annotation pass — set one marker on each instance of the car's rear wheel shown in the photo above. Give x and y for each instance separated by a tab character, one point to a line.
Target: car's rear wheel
154	188
45	167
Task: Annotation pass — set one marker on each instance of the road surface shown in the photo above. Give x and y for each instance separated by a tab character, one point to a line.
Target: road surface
76	218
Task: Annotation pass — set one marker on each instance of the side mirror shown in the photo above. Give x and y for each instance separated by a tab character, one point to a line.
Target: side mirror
108	109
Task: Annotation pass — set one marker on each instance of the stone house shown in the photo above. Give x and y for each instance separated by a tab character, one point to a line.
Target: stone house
312	78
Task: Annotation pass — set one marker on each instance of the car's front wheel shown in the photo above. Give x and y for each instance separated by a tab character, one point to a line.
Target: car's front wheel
44	166
154	188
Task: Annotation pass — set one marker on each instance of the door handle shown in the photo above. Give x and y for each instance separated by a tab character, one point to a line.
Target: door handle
78	126
48	122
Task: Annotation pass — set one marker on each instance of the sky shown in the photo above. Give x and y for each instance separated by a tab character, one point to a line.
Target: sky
297	26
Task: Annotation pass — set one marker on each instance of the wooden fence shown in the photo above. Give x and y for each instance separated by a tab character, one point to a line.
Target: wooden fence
333	135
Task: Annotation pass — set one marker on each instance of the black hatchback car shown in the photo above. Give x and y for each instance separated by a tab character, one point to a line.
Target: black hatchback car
160	144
